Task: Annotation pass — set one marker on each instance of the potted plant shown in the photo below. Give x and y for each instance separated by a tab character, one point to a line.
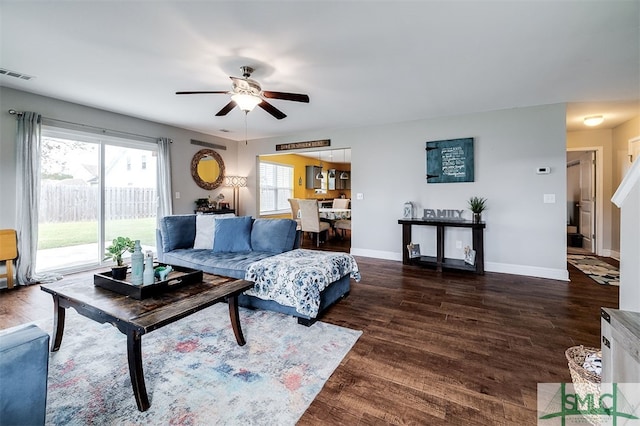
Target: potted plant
118	247
477	205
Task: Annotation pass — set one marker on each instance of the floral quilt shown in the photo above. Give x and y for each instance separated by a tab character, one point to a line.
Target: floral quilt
295	278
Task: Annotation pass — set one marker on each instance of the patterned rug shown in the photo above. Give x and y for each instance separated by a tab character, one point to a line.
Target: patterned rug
195	372
598	270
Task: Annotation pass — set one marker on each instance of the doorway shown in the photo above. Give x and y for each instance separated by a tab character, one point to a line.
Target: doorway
584	209
321	175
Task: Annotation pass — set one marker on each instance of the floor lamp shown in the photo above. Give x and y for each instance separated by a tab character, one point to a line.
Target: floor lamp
236	182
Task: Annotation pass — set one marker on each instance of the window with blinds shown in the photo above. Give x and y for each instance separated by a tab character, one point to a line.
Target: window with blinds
276	187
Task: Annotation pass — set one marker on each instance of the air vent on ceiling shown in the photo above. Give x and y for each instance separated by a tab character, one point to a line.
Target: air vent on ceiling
15	74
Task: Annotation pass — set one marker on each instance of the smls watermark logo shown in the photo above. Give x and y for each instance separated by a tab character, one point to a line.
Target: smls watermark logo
614	404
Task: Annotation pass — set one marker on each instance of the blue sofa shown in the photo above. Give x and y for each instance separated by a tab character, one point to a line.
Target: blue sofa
24	365
237	242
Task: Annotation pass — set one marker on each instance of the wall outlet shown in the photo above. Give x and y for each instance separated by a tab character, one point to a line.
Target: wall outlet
458	244
177	195
549	198
359	196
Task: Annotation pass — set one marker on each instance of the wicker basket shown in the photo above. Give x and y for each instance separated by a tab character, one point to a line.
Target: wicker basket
584	381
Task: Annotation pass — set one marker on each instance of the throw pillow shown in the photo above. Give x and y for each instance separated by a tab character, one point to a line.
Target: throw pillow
205	230
232	235
273	235
178	231
205	225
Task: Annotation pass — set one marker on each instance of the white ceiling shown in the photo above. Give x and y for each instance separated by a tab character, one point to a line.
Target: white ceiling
362	63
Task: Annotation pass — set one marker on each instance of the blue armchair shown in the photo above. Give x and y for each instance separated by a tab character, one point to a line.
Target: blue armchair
24	365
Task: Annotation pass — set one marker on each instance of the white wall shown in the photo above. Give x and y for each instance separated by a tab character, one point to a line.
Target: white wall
627	197
181	150
630	252
621	165
523	235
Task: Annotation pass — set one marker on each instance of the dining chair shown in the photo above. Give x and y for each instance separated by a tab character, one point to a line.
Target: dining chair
8	252
343	225
311	222
295	211
341	203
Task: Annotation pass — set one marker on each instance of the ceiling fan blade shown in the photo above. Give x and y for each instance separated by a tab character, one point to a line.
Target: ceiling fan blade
228	107
201	92
297	97
272	110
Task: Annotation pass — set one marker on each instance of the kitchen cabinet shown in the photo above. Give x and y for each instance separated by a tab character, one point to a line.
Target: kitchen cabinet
311	181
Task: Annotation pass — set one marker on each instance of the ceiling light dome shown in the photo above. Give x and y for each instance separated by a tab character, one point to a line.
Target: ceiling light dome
593	120
246	102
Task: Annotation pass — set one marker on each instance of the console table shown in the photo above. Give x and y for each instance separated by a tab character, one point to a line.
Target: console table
213	211
440	262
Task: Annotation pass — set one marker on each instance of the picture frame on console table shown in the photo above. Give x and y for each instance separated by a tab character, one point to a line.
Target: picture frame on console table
469	256
414	250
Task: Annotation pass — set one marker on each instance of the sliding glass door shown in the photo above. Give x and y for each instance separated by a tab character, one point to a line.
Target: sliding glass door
130	197
93	189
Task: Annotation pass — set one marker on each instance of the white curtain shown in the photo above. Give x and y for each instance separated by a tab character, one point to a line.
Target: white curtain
28	148
165	207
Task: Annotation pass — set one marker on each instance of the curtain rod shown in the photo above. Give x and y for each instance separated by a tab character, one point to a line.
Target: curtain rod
99	129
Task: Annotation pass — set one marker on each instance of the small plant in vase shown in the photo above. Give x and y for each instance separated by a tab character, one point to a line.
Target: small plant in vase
118	247
477	205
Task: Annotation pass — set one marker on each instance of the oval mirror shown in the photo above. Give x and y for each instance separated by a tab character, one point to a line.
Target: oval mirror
207	169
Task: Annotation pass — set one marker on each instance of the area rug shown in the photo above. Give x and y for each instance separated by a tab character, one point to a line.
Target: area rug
194	370
598	270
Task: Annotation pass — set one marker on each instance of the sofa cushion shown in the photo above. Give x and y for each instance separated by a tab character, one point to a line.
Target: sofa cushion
205	228
273	235
227	264
178	231
232	235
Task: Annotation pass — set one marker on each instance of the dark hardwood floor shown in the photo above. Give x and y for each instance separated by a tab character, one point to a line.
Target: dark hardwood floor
437	348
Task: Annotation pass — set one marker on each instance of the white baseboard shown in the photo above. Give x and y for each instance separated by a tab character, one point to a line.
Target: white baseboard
504	268
610	253
376	254
529	271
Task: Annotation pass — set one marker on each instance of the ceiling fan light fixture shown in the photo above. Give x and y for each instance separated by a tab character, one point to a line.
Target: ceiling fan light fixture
246	102
593	120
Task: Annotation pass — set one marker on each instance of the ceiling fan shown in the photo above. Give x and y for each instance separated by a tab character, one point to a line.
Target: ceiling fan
247	93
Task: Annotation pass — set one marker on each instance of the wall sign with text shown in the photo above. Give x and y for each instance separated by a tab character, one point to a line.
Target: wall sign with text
450	161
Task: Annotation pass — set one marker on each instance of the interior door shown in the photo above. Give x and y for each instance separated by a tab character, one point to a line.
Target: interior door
587	199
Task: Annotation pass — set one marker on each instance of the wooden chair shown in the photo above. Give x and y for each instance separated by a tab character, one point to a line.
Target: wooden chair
8	252
310	217
341	203
295	211
342	225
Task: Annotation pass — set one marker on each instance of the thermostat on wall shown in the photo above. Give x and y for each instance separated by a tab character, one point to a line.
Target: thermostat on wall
543	170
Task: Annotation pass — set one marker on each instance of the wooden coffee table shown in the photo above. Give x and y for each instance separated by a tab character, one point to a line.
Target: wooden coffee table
137	317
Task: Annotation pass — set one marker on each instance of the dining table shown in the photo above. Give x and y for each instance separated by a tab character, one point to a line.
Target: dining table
334	214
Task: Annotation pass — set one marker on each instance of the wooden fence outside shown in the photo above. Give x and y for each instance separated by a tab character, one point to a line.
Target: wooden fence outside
79	203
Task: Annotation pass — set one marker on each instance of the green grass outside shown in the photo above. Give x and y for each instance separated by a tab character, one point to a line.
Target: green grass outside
65	234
